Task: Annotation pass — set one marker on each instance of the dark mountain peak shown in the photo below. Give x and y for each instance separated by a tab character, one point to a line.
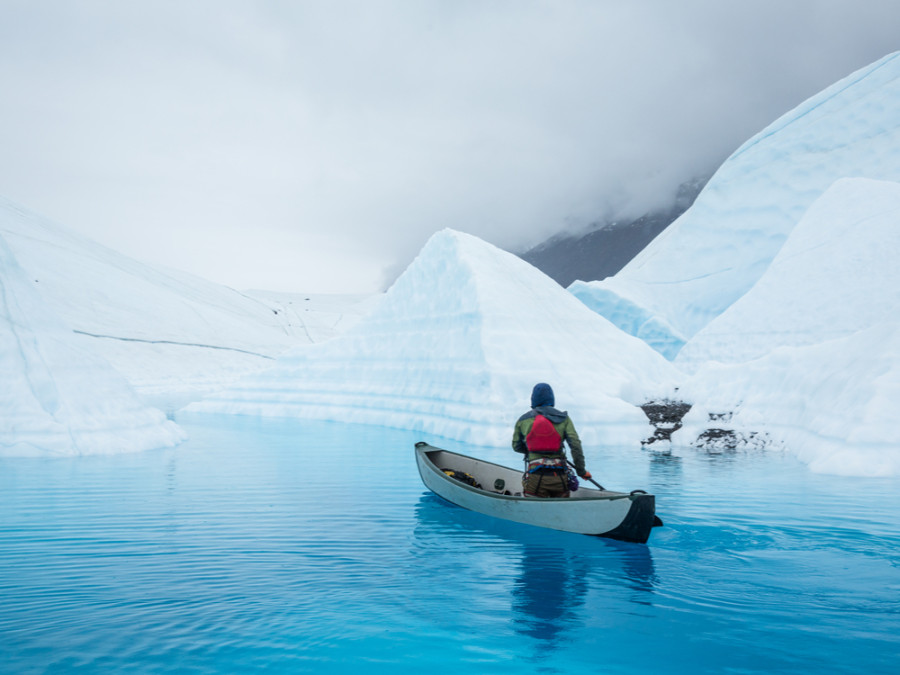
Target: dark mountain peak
608	246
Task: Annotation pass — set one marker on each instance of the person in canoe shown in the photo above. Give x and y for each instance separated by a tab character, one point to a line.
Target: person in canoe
540	435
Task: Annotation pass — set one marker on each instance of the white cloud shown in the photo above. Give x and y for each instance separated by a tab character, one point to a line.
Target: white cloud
366	126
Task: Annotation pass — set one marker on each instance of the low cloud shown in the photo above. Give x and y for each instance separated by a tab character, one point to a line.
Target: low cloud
312	146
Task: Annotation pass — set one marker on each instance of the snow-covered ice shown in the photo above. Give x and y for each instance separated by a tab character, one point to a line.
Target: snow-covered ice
837	274
814	347
454	348
773	300
101	292
723	244
174	336
832	404
777	292
93	341
59	398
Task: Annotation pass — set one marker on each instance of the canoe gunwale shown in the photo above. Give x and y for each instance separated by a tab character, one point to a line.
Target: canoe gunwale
592	512
425	450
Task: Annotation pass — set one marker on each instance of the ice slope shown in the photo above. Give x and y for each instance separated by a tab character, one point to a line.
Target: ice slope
59	398
97	290
316	317
172	335
634	320
717	250
832	404
454	348
814	346
837	274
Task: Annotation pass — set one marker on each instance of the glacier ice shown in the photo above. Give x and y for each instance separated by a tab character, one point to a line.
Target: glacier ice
832	404
174	336
633	319
454	348
720	247
810	356
835	275
772	300
59	398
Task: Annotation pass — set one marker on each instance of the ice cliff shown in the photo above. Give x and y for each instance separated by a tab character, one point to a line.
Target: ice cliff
172	335
809	358
718	249
454	348
837	274
59	398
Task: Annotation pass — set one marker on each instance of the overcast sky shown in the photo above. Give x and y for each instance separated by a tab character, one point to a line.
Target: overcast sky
314	146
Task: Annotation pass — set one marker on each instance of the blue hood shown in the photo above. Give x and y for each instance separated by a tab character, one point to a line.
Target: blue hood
542	395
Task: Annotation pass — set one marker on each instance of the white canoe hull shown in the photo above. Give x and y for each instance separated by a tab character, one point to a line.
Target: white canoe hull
617	515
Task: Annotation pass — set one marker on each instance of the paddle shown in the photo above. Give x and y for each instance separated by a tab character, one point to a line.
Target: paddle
590	479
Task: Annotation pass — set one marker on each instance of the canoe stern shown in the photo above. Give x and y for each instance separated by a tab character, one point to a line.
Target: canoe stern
639	521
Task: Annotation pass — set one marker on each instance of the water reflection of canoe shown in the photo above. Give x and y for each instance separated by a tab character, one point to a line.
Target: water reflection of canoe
603	513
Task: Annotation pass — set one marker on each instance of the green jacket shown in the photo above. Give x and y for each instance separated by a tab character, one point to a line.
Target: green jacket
563	425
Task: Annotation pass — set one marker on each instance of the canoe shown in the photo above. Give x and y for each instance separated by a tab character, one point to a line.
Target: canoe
626	516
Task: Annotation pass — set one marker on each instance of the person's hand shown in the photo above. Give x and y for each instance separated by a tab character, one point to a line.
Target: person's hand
587	475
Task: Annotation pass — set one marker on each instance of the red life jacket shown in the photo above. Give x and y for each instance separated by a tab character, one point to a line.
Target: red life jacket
543	436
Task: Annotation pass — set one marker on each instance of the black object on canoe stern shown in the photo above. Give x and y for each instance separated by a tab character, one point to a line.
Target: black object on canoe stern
640	519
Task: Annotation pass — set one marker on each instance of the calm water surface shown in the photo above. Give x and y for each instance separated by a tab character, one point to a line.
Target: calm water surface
302	547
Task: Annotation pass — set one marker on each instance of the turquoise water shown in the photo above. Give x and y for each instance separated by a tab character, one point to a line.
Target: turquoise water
311	547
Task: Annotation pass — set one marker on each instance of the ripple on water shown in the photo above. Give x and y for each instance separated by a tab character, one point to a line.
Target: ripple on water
248	549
